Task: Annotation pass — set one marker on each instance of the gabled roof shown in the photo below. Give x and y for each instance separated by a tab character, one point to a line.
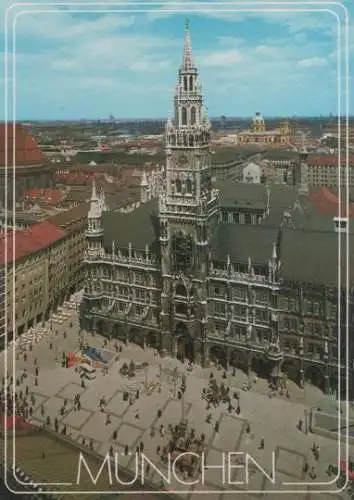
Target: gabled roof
31	240
26	149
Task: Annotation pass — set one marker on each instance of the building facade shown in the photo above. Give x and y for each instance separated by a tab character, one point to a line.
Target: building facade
258	133
204	275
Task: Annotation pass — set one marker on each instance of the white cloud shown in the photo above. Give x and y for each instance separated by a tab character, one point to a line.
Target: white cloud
223	58
64	26
313	62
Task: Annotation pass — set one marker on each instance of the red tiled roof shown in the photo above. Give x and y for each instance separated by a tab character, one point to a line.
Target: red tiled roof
29	241
327	202
26	149
48	194
323	160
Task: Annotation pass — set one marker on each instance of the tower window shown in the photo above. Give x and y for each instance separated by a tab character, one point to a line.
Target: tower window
181	290
173	139
191	140
191	83
193	115
185	140
188	186
185	83
184	116
178	185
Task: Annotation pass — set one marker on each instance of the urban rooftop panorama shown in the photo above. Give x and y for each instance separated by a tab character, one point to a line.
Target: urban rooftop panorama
176	293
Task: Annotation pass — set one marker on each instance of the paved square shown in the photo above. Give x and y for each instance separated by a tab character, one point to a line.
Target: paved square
273	420
232	429
51	407
290	462
98	422
70	390
128	435
77	418
116	405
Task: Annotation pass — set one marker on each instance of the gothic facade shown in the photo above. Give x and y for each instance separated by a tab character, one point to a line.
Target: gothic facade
200	276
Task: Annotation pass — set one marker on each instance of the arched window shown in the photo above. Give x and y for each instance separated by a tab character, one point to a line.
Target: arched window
191	140
178	185
188	186
181	309
185	140
193	115
173	139
185	83
184	116
181	290
191	83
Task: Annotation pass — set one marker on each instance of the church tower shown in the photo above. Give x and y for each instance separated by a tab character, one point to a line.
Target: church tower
187	209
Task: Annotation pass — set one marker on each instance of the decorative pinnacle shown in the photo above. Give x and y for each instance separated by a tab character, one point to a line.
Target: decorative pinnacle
187	52
94	193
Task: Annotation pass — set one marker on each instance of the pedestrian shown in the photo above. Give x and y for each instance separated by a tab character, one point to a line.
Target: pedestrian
299	425
137	394
306	467
141	447
50	345
111	451
159	413
248	429
217	426
137	414
126	449
25	357
27	390
238	410
37	371
261	446
158	449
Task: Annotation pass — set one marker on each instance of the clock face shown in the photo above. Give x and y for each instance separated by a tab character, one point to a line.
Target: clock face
183	159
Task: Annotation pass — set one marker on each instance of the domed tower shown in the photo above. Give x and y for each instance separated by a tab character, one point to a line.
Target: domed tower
258	124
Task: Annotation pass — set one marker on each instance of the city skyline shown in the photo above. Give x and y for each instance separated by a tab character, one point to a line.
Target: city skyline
91	65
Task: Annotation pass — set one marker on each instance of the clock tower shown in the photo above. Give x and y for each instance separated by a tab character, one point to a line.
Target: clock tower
187	212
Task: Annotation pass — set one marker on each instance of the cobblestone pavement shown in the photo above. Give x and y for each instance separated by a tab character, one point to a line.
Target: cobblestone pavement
273	419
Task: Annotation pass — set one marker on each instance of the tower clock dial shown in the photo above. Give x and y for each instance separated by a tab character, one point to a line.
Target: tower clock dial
182	159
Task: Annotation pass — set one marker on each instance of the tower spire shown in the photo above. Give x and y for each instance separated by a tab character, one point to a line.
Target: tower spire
187	62
94	193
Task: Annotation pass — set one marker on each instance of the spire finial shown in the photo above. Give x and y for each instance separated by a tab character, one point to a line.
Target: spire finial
187	53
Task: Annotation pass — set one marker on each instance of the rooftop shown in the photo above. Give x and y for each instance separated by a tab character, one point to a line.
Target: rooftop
26	149
28	241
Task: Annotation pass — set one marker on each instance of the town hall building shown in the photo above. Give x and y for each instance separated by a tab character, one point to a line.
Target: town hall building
235	273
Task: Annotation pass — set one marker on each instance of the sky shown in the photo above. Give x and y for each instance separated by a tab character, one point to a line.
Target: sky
73	63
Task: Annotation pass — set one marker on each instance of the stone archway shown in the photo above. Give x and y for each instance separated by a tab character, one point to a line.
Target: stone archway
314	375
218	355
101	327
118	332
239	359
184	342
137	336
262	367
152	340
292	369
